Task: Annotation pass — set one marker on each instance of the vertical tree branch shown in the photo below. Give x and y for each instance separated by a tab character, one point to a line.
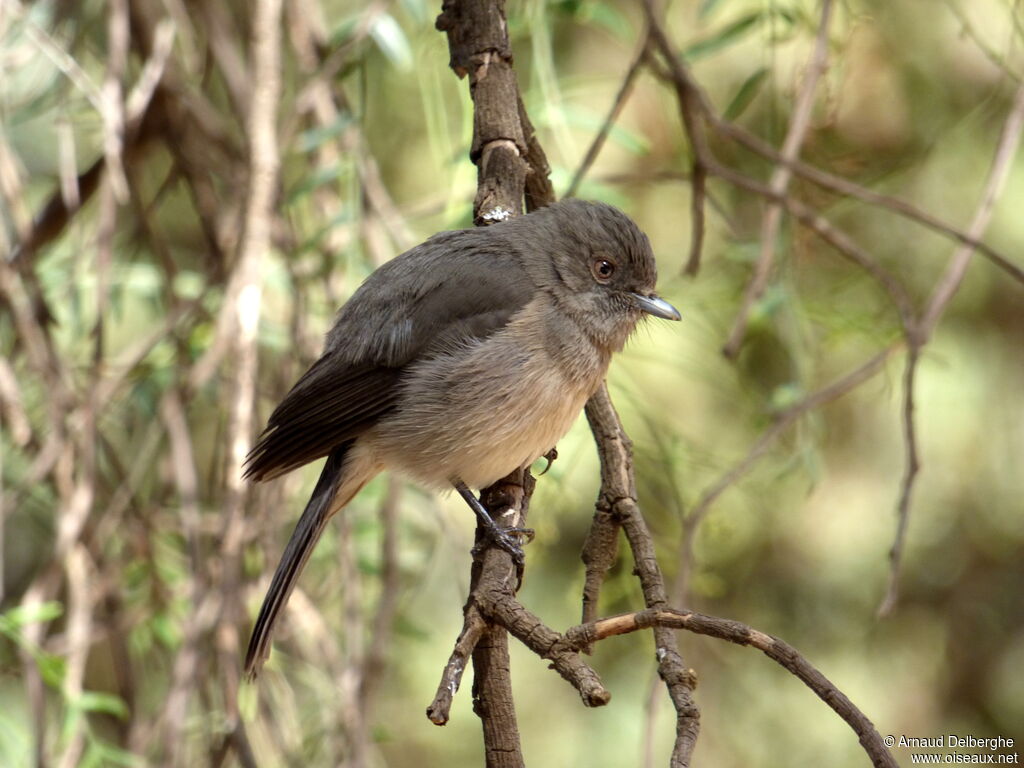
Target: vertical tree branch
692	112
493	572
618	498
919	334
479	47
245	293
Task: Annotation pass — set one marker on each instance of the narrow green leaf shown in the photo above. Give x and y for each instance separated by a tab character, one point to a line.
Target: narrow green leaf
18	616
392	41
322	175
166	631
107	703
343	30
315	138
727	35
750	88
417	9
344	216
707	7
610	18
775	297
633	143
51	669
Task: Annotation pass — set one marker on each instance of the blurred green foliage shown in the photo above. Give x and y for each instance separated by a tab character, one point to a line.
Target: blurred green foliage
911	105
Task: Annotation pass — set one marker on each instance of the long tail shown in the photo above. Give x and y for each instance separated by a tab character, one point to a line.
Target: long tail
336	481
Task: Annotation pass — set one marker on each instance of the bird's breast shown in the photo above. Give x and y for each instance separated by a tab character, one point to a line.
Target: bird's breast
478	412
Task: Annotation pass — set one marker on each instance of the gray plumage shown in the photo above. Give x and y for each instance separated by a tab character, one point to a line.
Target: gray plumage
463	359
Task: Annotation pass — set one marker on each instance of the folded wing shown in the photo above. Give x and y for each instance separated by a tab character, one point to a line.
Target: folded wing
330	404
456	288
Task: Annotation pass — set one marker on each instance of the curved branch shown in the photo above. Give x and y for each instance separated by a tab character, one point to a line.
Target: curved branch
945	289
618	499
692	100
782	422
736	632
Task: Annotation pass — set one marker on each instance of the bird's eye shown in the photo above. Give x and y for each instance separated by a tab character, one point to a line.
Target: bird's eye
603	269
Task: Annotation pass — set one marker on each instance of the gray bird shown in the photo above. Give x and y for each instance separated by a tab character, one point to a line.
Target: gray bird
456	363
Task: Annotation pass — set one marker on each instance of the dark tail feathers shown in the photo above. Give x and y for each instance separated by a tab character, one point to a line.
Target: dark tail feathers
304	538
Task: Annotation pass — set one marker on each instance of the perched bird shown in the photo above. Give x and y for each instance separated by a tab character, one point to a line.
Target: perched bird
456	363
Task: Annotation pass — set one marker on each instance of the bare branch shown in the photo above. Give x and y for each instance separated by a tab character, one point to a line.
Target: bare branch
625	90
473	628
783	420
693	111
618	498
847	188
998	173
831	234
913	466
691	98
741	634
112	99
799	123
375	658
244	296
945	289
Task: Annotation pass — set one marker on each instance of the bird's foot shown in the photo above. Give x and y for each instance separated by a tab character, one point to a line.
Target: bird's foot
550	456
506	539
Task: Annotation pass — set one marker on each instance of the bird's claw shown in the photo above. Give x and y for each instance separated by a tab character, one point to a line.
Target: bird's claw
550	456
507	541
524	533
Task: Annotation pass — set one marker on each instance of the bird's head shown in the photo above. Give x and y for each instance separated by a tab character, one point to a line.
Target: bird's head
597	264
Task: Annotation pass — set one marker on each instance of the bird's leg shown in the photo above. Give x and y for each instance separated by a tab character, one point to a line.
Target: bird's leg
500	536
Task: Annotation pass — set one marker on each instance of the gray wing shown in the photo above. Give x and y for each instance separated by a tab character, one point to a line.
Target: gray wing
456	287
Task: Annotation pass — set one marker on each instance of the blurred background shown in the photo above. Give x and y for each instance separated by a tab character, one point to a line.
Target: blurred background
128	589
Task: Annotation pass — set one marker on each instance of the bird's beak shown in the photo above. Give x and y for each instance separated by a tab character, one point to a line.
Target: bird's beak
657	306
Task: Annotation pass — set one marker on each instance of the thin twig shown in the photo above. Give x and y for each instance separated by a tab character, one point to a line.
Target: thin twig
693	111
830	233
224	45
997	59
846	188
11	173
375	659
945	289
741	634
112	110
836	389
691	96
64	62
912	467
625	89
473	627
618	498
998	173
152	73
698	198
185	669
244	297
799	123
79	630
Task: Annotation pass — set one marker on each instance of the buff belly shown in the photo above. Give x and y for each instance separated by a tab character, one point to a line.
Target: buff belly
503	421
